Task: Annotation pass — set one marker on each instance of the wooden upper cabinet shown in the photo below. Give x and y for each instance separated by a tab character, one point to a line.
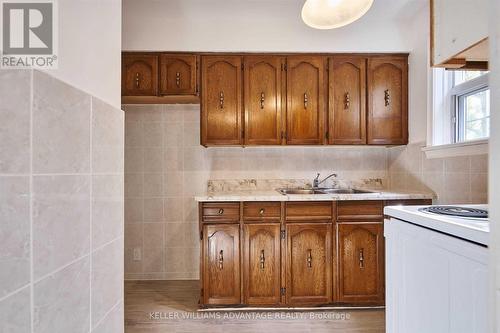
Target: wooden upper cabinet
263	105
221	100
221	266
308	263
261	264
178	74
388	100
361	263
139	74
347	104
305	100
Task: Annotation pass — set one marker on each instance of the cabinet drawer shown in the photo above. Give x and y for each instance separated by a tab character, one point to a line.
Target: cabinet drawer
261	211
220	212
309	211
360	210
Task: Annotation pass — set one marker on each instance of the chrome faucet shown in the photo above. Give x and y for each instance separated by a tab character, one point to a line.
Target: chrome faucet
317	182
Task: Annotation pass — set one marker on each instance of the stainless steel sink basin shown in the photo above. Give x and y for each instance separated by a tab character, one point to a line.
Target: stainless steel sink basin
286	191
344	191
298	191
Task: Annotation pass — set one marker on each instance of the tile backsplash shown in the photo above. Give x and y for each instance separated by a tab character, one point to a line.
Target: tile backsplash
462	179
165	167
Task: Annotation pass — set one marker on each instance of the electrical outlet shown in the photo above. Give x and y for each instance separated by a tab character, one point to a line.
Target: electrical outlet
137	254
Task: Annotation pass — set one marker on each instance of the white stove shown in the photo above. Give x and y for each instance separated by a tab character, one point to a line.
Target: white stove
436	269
471	224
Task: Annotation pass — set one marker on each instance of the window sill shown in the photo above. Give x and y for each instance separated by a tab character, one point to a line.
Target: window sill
476	147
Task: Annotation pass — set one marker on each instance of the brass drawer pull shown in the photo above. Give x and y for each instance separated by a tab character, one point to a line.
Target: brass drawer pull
137	79
262	259
262	211
221	100
306	100
309	258
387	97
221	259
178	79
221	211
262	99
361	259
347	101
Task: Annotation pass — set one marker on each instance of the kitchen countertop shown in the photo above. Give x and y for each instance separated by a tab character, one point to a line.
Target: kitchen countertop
273	195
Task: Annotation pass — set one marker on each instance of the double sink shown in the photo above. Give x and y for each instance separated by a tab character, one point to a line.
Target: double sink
325	190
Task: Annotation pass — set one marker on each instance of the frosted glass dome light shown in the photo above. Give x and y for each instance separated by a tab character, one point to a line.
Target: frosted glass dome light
329	14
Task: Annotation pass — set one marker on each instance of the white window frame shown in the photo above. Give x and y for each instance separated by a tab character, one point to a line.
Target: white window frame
443	97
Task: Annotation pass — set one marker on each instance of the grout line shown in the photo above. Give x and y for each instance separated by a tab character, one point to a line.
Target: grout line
106	314
15	291
91	194
60	268
32	291
100	247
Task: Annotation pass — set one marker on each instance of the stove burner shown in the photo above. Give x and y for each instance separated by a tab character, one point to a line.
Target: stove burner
456	211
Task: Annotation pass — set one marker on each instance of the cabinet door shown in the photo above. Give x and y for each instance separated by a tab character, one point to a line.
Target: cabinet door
261	264
221	266
139	74
388	100
347	109
305	100
221	96
308	263
361	266
177	74
263	83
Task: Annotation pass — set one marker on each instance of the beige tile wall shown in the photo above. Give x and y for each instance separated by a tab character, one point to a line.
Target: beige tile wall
165	167
455	180
61	207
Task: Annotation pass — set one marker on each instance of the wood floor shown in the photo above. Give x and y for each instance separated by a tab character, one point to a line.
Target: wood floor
162	306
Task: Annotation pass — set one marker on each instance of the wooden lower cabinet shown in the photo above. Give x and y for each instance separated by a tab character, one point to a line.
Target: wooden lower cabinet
361	263
221	264
308	263
294	253
262	264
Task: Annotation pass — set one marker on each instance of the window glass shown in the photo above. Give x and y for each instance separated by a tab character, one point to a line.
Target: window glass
476	115
464	76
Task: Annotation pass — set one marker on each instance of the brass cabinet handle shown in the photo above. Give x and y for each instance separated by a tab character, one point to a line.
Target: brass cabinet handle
221	211
347	101
262	99
262	211
178	79
306	100
221	259
361	259
137	79
387	97
309	258
221	100
262	259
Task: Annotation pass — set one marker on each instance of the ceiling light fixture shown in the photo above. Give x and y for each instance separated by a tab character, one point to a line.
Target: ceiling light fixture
330	14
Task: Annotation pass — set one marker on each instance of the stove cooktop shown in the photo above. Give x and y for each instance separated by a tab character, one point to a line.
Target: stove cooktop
457	211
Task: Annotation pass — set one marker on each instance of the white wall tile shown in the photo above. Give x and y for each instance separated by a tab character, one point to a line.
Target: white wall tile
62	300
15	90
14	233
15	312
107	279
61	126
61	221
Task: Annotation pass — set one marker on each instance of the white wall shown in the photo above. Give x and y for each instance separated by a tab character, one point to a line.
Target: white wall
90	47
257	25
494	181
